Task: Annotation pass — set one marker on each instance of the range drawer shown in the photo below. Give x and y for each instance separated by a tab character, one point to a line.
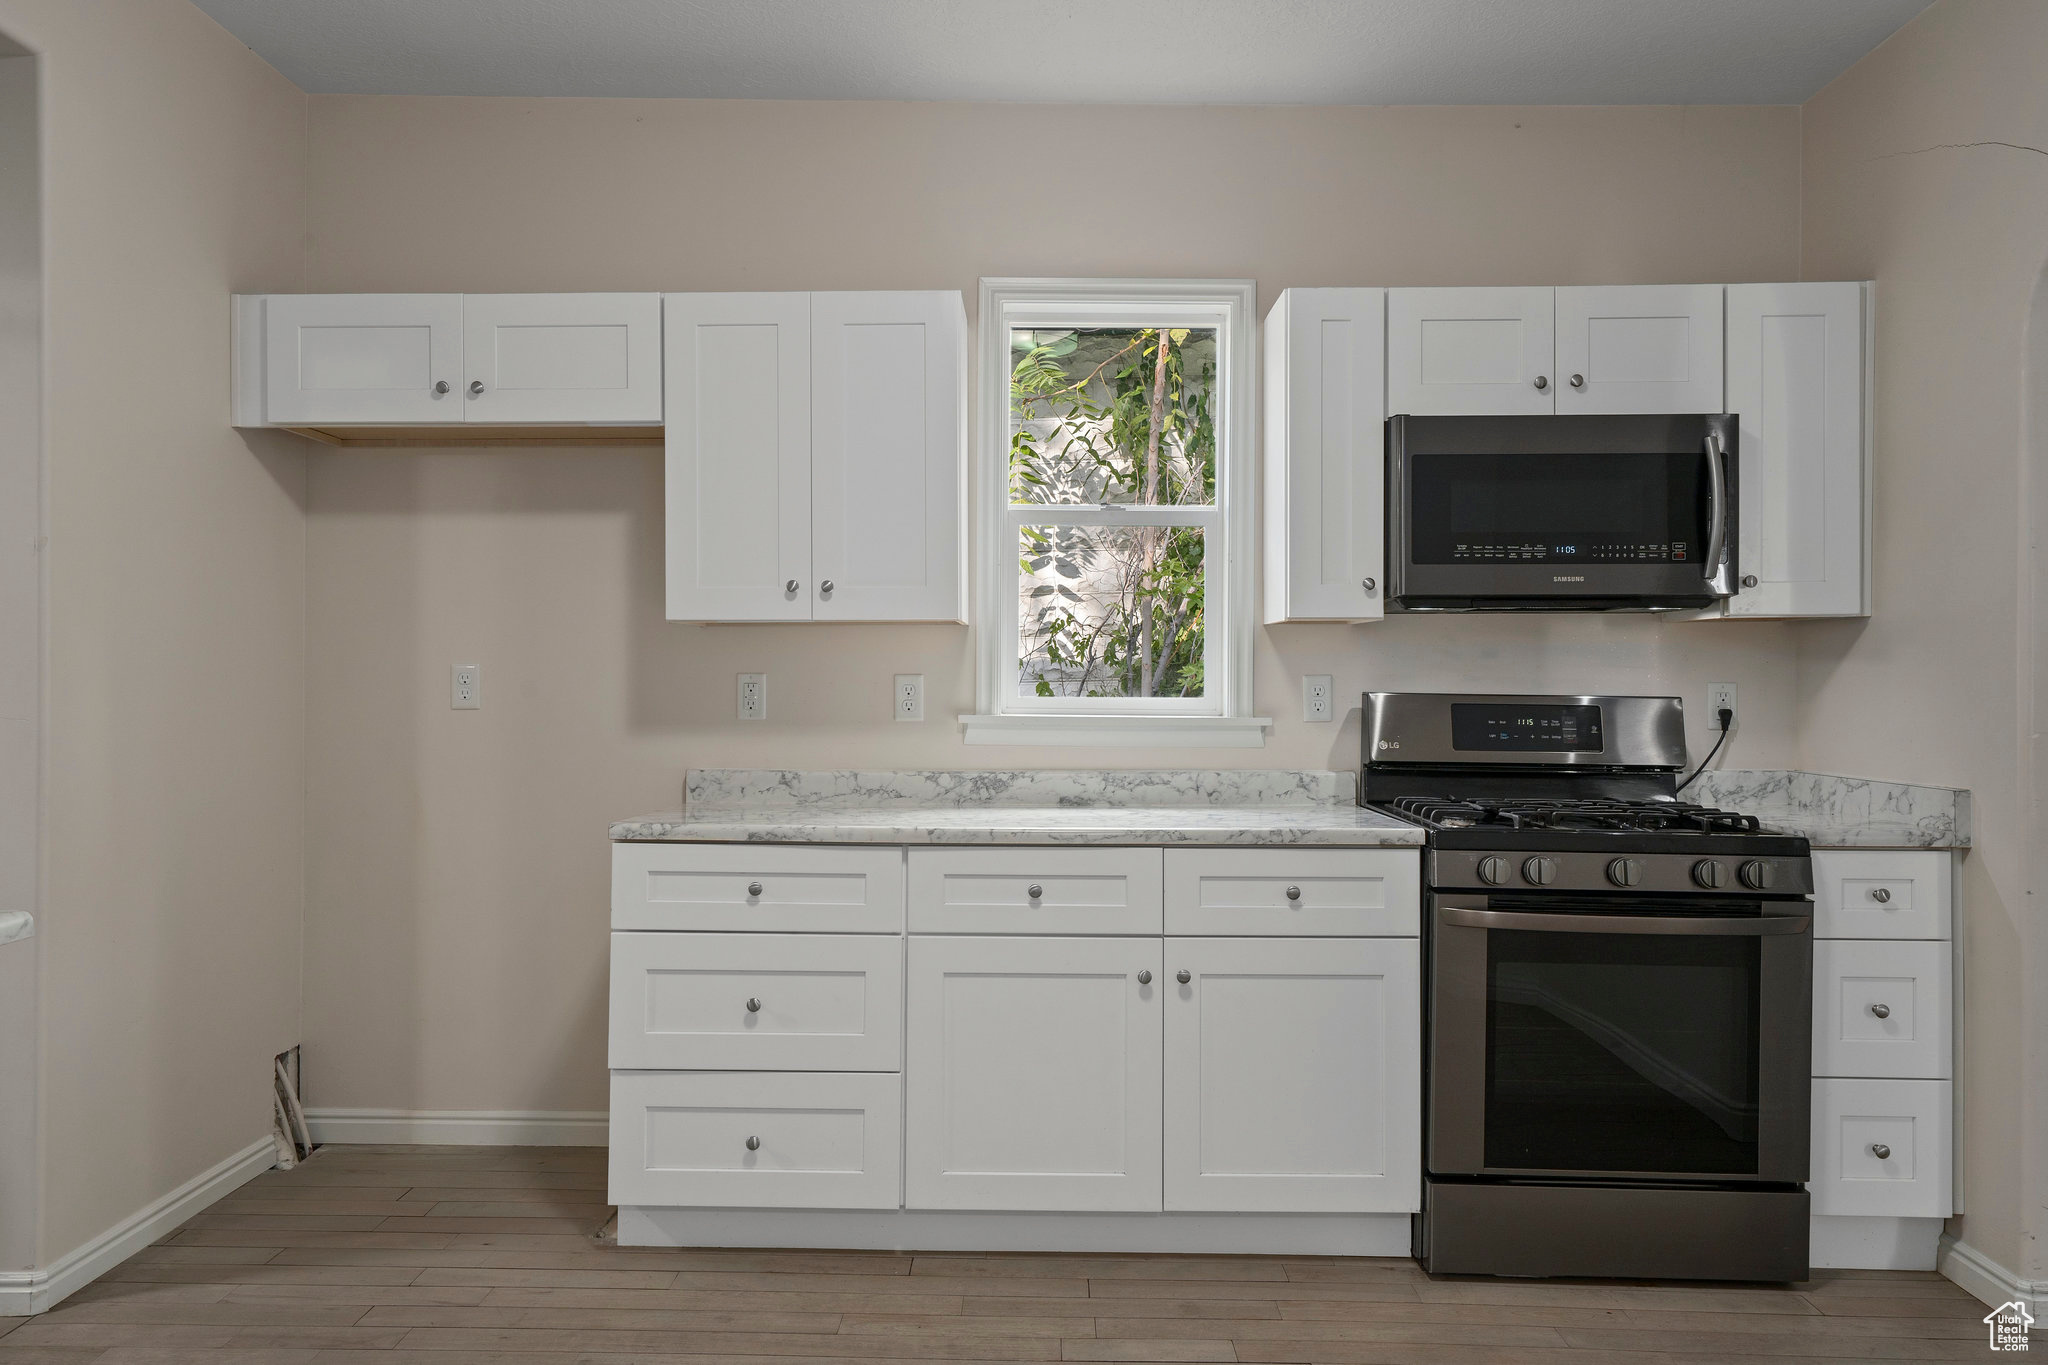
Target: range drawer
1034	890
1293	891
1881	1008
769	1140
757	1002
1881	894
1882	1148
763	887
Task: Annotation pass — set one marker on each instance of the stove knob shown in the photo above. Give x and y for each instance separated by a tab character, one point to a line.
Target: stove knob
1539	871
1758	875
1493	870
1625	871
1709	873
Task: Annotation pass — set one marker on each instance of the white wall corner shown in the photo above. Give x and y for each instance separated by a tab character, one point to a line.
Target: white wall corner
1985	1278
23	1292
463	1127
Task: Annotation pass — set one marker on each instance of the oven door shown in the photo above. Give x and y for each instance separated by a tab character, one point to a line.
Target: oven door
1558	513
1646	1043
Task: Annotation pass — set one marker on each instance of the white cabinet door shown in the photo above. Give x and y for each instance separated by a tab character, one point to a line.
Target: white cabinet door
1032	1074
562	358
1326	448
1881	1008
1881	893
1294	1075
738	436
1883	1149
1476	352
1796	376
1647	348
888	457
362	358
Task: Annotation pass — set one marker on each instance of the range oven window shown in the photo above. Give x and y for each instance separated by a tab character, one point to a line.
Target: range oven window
1603	508
1622	1052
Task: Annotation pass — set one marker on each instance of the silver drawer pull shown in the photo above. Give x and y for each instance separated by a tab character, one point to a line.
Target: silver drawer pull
753	888
440	386
753	1144
1294	893
1144	978
1881	1011
1182	976
1880	1151
1034	891
754	1005
1881	894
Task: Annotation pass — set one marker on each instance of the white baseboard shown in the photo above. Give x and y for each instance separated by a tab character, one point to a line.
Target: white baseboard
463	1127
23	1292
1987	1279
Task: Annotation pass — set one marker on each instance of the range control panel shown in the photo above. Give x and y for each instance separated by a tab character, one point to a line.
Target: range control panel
1702	873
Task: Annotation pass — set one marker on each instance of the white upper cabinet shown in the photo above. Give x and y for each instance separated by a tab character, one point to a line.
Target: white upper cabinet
562	358
1798	379
1454	352
888	425
1638	348
389	358
738	441
1325	352
816	457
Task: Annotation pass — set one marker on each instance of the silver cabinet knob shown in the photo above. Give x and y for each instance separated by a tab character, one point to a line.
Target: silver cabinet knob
440	386
826	586
791	586
476	386
1144	978
1880	1151
754	1005
753	888
1578	381
1881	894
1294	893
1881	1011
1542	381
1034	891
1749	580
753	1144
1369	584
1183	976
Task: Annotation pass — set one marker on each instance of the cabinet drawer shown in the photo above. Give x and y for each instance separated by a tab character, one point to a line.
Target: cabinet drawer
757	887
1035	891
1881	1008
1881	1148
1289	891
1882	894
822	1140
757	1002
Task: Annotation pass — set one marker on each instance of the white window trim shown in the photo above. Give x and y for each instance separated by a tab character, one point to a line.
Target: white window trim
1230	619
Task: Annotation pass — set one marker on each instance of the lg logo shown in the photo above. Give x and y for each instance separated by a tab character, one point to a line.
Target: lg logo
1390	744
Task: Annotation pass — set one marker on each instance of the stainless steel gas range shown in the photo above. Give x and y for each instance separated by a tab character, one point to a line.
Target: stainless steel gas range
1617	1005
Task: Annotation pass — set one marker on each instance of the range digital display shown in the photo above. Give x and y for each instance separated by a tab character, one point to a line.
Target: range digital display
1527	728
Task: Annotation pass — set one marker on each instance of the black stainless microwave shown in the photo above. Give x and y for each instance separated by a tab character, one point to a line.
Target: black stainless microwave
1622	513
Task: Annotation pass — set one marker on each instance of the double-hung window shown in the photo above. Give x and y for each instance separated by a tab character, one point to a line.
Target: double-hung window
1114	482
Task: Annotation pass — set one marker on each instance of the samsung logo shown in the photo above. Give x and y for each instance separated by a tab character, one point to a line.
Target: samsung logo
1567	578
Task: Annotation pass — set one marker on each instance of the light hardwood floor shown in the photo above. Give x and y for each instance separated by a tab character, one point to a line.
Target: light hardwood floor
486	1256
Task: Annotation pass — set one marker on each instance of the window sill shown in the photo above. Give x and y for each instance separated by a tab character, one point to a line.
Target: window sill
1124	732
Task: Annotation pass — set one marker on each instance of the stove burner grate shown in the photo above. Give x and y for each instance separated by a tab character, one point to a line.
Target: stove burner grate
1648	817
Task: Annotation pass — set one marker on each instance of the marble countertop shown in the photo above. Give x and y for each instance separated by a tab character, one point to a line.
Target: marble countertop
16	924
738	805
1841	812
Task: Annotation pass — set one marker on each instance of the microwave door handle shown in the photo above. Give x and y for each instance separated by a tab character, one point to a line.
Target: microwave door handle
1717	507
1477	916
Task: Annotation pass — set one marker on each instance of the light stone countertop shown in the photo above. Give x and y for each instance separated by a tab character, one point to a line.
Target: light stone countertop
1841	812
15	925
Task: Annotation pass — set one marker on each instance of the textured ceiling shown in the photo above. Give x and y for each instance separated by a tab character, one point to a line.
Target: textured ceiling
1076	51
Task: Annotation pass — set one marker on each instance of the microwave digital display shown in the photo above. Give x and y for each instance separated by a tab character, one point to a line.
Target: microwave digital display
1527	727
1557	508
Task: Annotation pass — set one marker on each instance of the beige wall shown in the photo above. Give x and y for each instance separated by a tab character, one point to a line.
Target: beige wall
1937	685
173	839
457	863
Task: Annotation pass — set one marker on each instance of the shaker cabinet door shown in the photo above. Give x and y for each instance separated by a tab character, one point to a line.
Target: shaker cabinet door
1326	455
1639	348
738	456
1470	352
362	358
888	448
578	358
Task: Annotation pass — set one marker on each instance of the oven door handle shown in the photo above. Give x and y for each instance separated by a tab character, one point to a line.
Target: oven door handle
1479	917
1717	507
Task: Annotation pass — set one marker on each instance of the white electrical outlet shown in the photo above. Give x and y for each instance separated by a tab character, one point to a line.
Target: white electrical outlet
466	690
753	696
910	696
1315	696
1720	696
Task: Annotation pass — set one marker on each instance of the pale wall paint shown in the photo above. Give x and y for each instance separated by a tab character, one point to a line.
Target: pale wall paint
1935	685
169	932
455	952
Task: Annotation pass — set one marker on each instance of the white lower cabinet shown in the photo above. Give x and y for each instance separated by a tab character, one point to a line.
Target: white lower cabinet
756	1140
1033	1067
1881	1148
1293	1075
